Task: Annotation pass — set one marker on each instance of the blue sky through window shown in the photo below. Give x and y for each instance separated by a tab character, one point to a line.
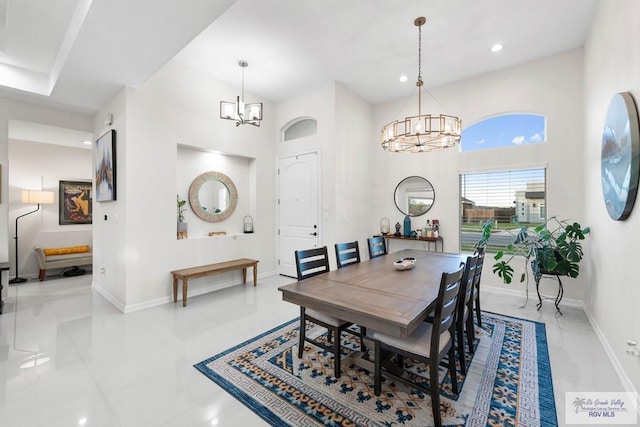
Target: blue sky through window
507	130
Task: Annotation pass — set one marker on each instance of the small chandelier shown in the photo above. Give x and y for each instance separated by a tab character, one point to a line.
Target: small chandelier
424	132
243	114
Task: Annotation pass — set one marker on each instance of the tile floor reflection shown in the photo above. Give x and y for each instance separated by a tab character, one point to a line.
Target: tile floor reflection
69	358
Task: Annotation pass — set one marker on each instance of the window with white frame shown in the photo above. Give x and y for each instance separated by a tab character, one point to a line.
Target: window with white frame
500	196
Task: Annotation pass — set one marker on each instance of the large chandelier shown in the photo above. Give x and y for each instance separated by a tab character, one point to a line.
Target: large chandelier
424	132
243	114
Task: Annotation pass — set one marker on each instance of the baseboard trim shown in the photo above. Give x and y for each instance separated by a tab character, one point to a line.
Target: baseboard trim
615	362
130	308
617	366
107	295
532	295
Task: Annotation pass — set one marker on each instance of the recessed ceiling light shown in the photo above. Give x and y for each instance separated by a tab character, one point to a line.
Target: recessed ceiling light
404	78
86	142
496	47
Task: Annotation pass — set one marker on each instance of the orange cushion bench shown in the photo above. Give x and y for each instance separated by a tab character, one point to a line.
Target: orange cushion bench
62	257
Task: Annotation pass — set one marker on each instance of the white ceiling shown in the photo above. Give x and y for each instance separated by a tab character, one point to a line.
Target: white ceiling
37	132
80	53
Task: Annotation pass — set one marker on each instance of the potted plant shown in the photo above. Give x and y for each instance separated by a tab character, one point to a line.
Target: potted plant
183	227
552	247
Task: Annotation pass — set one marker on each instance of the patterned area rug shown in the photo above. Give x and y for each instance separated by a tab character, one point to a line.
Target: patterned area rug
508	381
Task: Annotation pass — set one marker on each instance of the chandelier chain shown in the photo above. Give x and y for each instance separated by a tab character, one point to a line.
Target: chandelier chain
242	90
420	53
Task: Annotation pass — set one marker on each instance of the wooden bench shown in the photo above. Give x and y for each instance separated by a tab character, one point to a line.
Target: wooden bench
207	270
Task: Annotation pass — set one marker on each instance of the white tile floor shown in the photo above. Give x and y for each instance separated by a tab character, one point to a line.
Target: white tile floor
69	358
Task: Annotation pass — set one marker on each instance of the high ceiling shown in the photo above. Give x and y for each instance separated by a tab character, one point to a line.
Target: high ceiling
80	53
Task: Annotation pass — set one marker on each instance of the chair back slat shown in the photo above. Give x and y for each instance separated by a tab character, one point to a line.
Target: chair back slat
468	278
445	305
311	262
347	253
377	246
478	270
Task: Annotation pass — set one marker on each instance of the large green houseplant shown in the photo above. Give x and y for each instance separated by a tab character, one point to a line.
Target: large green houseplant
552	247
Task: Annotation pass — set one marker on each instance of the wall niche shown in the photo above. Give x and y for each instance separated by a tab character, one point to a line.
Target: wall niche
192	162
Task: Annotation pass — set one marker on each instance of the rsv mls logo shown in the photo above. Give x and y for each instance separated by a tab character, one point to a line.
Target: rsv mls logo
601	408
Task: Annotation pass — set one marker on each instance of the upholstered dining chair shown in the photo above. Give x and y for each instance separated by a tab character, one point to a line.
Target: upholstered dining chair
464	311
429	343
377	246
347	253
476	284
309	263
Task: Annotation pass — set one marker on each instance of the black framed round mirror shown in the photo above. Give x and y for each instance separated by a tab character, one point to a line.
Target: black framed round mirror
213	196
414	196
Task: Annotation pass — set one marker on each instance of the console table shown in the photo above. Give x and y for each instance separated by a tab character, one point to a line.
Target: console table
4	266
429	240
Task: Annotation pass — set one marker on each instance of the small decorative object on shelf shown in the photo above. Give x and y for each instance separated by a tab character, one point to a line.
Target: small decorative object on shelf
407	226
248	224
217	233
436	228
397	233
183	227
385	226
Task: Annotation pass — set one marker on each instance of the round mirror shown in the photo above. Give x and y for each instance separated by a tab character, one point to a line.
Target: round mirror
414	196
213	196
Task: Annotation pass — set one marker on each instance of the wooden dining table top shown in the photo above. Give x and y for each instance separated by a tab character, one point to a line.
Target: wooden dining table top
374	294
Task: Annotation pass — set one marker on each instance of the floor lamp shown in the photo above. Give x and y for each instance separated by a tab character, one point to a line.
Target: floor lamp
30	197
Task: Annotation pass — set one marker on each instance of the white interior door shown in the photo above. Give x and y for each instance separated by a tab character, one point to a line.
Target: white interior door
298	208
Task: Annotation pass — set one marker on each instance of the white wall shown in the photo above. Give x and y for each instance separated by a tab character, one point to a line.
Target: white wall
318	104
110	254
551	86
24	111
177	106
343	138
612	65
41	166
352	168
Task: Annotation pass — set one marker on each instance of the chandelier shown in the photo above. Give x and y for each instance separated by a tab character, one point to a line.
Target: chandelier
241	113
424	132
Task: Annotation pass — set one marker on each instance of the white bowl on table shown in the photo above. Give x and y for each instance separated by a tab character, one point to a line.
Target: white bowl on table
405	264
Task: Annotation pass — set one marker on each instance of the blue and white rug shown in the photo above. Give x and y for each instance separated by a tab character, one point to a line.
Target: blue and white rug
508	382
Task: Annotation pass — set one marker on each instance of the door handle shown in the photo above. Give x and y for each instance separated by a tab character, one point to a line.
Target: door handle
313	234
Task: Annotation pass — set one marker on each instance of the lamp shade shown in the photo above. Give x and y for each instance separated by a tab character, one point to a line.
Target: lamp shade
37	197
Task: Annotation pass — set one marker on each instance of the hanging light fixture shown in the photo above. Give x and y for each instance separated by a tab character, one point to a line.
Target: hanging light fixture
241	113
424	132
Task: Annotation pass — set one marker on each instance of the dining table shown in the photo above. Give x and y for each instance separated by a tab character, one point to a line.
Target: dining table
375	294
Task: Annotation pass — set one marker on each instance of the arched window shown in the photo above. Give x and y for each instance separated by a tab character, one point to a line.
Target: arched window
300	128
506	130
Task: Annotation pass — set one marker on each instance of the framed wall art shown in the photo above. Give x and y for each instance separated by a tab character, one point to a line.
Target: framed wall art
75	202
104	156
620	162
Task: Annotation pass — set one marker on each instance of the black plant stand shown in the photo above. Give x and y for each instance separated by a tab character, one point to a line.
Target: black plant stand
550	275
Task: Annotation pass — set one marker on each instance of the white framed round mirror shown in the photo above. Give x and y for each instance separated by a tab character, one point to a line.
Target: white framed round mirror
414	196
213	196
